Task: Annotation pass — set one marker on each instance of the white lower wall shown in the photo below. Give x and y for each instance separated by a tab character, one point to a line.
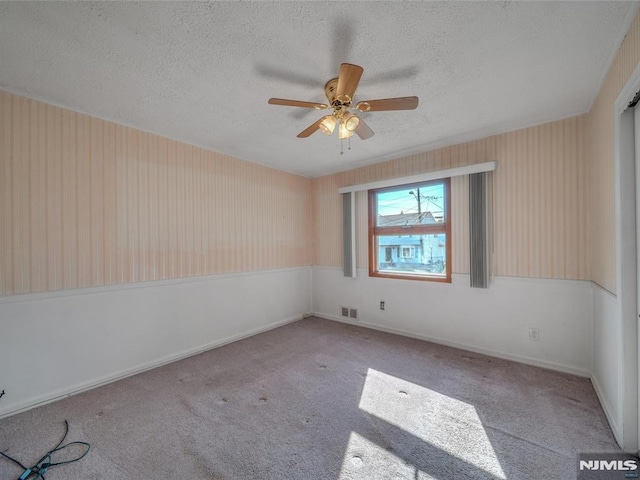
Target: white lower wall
494	321
59	343
607	360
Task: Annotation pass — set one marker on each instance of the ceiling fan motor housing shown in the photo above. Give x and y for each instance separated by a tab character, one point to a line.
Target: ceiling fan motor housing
339	103
330	90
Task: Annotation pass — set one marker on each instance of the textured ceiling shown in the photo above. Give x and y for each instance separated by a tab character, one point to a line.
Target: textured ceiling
203	72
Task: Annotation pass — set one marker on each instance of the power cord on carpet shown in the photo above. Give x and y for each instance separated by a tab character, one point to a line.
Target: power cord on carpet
41	466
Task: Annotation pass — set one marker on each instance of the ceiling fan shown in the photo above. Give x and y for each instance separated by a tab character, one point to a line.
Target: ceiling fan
340	92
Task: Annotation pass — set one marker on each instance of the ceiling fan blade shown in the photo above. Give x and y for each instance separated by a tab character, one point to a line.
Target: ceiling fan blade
363	130
385	104
348	82
297	103
310	129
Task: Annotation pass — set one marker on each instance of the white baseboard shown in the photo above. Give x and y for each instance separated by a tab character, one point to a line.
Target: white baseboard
608	410
471	348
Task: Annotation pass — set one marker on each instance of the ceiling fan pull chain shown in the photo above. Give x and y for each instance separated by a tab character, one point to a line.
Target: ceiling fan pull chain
349	147
341	149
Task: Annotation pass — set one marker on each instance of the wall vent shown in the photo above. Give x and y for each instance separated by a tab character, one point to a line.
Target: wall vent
353	312
345	311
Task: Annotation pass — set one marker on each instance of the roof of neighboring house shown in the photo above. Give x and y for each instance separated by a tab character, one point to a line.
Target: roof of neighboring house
406	219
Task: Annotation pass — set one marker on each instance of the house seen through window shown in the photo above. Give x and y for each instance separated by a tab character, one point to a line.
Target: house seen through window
410	231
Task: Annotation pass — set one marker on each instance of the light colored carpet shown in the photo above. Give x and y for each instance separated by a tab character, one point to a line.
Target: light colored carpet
318	399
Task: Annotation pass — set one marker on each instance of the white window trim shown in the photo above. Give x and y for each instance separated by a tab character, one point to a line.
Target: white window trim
423	177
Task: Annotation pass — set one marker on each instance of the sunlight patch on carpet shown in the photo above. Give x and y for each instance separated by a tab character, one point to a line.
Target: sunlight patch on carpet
450	425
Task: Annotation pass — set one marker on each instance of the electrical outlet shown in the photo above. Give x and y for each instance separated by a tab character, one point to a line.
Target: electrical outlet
353	312
382	305
534	334
344	311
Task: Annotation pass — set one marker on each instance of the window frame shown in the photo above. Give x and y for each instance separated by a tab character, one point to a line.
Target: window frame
421	229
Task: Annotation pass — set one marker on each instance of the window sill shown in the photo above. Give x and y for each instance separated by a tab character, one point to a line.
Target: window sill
404	276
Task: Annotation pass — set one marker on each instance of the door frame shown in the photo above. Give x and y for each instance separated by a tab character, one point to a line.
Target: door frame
627	167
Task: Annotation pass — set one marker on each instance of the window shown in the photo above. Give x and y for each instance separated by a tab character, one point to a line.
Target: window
407	252
410	231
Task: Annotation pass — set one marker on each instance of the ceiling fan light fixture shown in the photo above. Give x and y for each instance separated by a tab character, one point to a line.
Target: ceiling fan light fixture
328	124
351	121
343	132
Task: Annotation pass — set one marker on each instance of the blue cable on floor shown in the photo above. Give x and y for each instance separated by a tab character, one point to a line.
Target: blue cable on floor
41	466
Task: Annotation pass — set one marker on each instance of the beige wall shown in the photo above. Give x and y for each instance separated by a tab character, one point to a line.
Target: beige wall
601	161
539	201
85	202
